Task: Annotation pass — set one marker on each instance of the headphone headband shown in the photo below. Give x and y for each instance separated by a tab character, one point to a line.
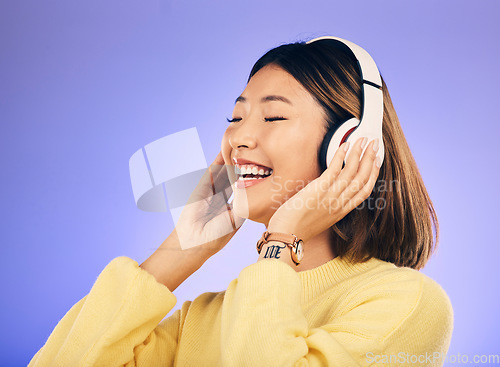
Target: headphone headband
370	124
368	68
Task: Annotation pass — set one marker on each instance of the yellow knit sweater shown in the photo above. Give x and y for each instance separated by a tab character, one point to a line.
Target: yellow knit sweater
338	314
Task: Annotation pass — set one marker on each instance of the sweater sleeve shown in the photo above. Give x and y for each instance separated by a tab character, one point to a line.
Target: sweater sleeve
263	323
116	323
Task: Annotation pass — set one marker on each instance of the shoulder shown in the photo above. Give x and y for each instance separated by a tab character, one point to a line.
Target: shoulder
414	303
420	288
383	275
415	288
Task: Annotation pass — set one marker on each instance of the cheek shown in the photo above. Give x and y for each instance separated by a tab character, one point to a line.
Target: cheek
301	159
296	170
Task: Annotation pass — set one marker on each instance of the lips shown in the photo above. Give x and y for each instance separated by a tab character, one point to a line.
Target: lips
246	180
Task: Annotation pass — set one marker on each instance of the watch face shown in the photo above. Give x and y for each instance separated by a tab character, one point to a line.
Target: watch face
300	250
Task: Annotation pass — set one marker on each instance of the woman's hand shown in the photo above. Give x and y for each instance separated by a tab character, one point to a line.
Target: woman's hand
204	227
207	221
330	197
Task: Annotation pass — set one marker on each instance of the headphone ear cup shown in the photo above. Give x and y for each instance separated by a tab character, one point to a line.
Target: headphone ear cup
333	140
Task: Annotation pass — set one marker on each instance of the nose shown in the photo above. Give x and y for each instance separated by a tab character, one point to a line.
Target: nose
243	136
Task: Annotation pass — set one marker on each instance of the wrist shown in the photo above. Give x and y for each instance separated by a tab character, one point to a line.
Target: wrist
281	228
276	250
285	240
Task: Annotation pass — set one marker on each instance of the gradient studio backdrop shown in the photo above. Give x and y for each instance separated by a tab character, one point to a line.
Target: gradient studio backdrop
83	85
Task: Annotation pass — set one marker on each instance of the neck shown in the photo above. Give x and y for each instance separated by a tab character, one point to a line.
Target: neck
317	251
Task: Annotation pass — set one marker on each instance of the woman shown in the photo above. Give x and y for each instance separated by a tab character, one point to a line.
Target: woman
354	299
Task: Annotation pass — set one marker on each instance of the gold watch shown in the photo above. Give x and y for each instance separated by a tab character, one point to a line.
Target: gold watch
296	245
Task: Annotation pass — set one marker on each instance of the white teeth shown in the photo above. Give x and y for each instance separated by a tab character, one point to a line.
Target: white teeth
248	169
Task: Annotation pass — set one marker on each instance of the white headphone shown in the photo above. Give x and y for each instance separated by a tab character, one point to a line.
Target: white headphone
370	125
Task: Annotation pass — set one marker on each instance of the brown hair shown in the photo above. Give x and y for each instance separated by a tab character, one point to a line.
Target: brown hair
400	231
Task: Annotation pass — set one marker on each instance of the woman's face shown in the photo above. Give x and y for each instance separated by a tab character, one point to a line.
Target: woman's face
278	126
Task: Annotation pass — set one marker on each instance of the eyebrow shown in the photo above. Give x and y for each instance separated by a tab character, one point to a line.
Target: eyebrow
273	98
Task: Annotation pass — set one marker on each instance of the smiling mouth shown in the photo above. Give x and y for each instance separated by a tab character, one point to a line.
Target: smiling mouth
249	175
252	172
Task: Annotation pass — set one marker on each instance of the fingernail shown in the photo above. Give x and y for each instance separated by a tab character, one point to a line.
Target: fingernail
375	145
378	162
346	146
363	143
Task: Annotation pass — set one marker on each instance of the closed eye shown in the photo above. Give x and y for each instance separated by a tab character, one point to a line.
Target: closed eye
266	119
271	119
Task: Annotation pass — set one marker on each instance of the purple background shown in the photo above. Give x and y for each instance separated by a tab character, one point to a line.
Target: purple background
83	85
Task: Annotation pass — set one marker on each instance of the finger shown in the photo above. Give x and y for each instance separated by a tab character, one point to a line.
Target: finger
371	152
213	180
335	167
219	172
219	159
349	171
236	221
366	191
217	165
364	170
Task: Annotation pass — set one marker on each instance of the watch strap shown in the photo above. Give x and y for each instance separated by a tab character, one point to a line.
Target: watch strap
290	240
275	236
